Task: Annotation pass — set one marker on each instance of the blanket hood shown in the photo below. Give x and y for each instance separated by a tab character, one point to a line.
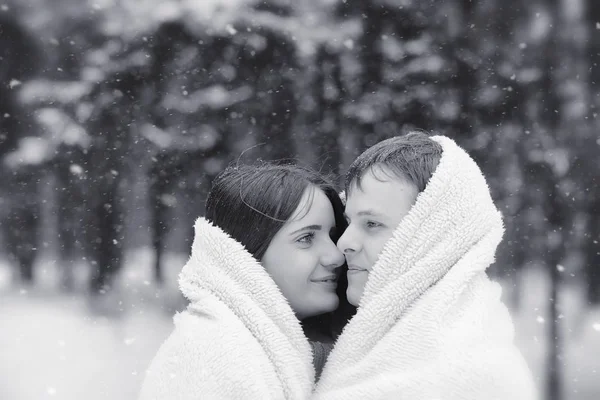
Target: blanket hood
221	267
453	219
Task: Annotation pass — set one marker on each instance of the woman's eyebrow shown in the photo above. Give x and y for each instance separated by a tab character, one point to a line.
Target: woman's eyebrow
307	228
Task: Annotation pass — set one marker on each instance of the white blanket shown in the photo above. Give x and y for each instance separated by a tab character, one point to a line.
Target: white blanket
430	324
238	339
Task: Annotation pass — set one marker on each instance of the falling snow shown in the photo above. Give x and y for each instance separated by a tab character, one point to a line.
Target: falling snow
98	118
14	83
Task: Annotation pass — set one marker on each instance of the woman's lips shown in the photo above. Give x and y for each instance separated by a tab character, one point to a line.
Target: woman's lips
328	281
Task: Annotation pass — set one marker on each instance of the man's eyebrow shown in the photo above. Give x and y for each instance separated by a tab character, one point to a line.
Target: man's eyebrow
307	228
368	212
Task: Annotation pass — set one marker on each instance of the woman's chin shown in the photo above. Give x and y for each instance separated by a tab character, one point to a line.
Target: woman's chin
325	303
330	302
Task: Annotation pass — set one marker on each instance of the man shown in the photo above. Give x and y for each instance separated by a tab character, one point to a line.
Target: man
430	324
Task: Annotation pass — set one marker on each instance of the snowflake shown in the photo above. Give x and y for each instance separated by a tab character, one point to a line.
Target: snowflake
230	29
14	83
75	169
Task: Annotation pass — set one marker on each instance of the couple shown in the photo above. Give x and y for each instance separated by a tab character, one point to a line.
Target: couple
267	276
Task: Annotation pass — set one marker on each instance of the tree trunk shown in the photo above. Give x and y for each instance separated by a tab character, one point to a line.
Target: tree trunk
593	13
557	219
21	237
327	111
66	225
554	382
275	69
21	223
592	253
371	54
371	60
107	246
160	228
592	170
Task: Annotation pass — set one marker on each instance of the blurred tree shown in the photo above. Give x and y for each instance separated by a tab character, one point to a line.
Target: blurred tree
196	91
70	198
589	159
70	34
178	65
19	198
327	100
103	111
592	250
17	50
543	177
70	141
271	68
216	90
105	164
545	161
21	222
411	62
493	86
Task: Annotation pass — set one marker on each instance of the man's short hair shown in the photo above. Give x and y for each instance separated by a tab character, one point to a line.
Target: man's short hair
412	158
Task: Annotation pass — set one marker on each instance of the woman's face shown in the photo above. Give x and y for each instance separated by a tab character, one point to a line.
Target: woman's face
302	258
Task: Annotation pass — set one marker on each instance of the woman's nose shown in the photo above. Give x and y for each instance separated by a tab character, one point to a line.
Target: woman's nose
333	257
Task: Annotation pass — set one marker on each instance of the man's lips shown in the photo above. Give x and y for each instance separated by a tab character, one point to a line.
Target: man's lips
328	278
353	267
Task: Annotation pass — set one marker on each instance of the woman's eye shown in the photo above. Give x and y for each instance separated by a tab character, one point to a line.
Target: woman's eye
306	239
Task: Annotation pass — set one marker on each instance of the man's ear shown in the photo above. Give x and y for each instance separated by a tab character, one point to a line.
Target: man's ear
342	195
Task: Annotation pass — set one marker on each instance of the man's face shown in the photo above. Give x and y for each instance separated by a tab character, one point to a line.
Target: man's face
373	212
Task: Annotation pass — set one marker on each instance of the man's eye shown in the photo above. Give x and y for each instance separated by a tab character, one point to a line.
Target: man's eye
372	224
306	239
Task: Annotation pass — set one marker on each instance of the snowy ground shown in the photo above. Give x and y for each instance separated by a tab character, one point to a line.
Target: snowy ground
66	346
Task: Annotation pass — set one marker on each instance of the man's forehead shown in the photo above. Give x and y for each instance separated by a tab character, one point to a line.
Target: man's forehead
369	185
379	196
361	202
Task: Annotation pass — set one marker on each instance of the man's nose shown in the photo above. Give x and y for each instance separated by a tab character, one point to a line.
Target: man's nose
347	243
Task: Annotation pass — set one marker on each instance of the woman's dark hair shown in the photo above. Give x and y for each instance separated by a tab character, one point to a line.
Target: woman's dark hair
251	203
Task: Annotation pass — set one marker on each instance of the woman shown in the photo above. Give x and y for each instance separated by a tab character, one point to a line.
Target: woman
264	274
